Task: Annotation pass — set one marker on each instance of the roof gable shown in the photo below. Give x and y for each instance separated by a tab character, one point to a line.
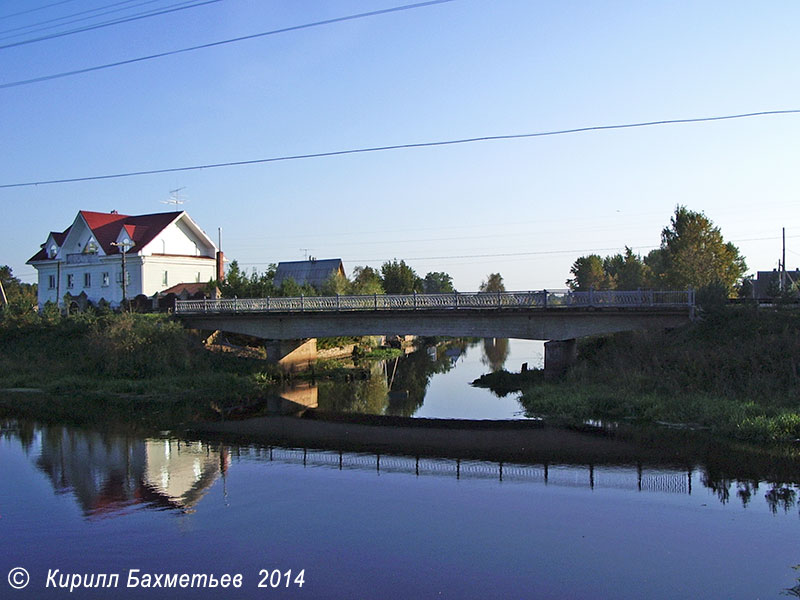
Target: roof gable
140	229
109	229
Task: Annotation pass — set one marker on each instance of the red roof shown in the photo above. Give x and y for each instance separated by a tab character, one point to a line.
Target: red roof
106	227
191	288
141	229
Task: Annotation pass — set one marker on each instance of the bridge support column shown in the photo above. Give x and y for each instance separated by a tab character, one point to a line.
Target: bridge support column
292	354
558	356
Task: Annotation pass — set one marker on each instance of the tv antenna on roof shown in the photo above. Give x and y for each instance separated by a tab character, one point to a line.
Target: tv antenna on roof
305	251
175	197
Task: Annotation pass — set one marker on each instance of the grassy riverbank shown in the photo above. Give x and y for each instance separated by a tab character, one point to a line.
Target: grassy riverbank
144	355
134	363
736	372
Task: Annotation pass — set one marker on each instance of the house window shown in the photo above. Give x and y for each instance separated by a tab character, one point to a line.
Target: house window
51	282
87	280
70	281
105	280
164	279
127	277
197	278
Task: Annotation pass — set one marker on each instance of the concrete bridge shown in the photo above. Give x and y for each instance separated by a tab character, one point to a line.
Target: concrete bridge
559	317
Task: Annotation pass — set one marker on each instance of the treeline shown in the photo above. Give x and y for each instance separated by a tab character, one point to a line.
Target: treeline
693	254
19	298
393	277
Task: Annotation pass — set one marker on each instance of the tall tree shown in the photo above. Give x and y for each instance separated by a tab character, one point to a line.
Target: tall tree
366	280
493	283
335	284
626	271
589	272
399	278
438	282
696	255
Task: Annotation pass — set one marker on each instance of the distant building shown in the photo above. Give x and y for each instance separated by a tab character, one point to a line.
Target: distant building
767	283
161	250
312	271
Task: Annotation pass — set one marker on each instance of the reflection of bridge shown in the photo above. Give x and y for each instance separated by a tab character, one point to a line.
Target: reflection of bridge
559	316
604	477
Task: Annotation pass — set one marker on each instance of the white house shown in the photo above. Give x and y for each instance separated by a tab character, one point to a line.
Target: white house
160	250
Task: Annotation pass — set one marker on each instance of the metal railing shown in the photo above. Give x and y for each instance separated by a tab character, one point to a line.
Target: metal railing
555	299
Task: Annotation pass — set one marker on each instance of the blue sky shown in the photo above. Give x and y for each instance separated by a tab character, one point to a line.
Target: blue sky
460	69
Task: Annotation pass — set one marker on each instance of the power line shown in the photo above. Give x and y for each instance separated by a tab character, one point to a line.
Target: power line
487	138
64	17
519	254
30	10
108	23
223	42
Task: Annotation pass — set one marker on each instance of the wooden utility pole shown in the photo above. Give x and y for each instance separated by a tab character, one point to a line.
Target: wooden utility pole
783	261
3	298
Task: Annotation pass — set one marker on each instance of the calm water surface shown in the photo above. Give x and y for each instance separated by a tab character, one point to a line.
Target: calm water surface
666	516
434	382
362	526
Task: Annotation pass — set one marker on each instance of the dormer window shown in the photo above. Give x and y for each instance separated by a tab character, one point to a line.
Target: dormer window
91	247
52	250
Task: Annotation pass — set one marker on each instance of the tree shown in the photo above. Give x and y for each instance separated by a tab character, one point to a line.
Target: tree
336	284
588	272
493	283
366	281
22	297
626	271
437	282
399	278
696	255
241	285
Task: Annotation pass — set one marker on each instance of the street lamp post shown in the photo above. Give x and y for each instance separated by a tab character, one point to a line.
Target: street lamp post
124	245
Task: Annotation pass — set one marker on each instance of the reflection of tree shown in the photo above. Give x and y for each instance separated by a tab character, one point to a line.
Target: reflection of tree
794	590
495	353
746	491
411	378
366	397
780	496
720	486
24	431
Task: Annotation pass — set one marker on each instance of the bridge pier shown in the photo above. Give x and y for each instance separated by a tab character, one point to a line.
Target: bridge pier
559	355
292	354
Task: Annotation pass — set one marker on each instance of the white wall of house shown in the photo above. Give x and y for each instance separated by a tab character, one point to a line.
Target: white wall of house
160	273
104	279
179	239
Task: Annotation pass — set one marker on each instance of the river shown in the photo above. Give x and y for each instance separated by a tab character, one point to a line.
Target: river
593	513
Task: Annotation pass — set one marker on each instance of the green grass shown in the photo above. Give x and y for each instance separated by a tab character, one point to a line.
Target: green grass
736	372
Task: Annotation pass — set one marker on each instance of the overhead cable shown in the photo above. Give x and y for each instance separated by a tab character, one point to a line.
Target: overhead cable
253	36
51	36
486	138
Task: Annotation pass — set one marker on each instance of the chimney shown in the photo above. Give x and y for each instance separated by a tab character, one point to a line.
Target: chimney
220	266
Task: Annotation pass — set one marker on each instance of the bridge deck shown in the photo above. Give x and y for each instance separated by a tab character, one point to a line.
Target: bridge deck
542	299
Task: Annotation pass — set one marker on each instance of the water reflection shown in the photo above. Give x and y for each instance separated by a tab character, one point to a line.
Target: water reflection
394	387
495	353
109	473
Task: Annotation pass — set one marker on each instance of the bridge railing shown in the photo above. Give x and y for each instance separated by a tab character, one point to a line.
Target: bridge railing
555	299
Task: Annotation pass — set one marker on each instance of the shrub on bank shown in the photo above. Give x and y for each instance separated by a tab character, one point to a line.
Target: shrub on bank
737	371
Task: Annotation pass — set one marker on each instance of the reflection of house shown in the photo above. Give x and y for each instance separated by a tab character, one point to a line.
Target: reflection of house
86	258
108	473
312	271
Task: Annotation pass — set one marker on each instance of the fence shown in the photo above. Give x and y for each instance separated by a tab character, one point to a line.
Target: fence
550	299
